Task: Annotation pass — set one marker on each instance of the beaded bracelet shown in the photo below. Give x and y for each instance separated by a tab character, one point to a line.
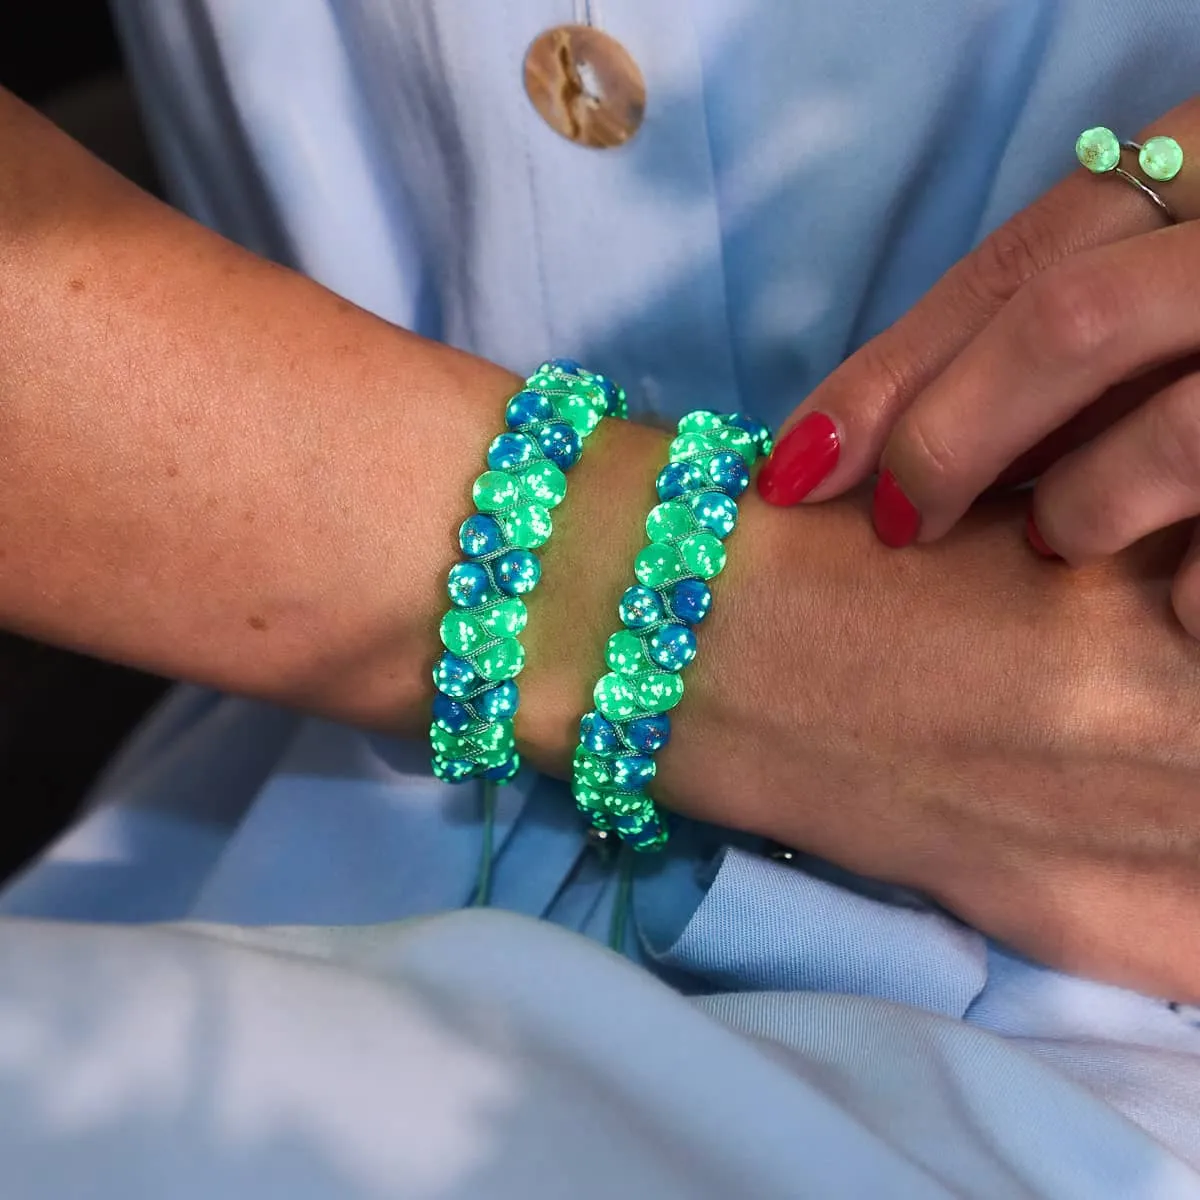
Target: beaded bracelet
548	421
698	489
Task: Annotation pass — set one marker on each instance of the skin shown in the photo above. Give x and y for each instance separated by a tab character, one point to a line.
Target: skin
214	468
1064	347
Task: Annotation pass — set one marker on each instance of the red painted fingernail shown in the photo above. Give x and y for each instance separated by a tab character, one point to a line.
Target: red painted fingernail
1034	534
896	520
804	456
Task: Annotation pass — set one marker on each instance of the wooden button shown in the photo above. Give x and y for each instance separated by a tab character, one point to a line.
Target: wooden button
585	85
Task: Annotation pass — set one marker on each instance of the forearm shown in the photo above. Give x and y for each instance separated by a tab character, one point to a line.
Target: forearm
211	466
214	468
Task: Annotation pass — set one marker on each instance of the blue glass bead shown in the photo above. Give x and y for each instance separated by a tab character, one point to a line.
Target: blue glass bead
510	451
454	770
728	471
679	477
690	600
598	734
632	772
716	511
505	771
468	585
631	824
640	607
517	572
651	834
567	365
480	535
648	735
756	429
560	444
526	407
672	647
454	676
498	703
450	715
612	393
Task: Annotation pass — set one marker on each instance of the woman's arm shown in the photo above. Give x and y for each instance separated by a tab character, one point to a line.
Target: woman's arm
215	468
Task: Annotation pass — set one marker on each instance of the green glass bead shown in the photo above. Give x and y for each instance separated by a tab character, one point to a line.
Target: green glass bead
639	814
495	490
624	653
700	421
615	803
460	633
658	691
669	520
449	745
583	410
590	771
501	661
452	770
590	801
544	483
1098	149
703	554
688	446
494	758
493	738
729	437
614	698
585	795
657	565
506	619
528	526
1161	158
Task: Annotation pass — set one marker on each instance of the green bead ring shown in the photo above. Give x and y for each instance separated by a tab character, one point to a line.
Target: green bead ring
1160	158
548	422
709	468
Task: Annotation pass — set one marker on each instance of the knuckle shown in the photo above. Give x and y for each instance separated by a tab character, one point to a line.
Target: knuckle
1185	598
1175	434
1008	258
1095	529
1069	315
882	379
930	456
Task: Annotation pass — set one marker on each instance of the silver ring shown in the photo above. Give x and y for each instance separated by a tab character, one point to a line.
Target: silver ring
1145	188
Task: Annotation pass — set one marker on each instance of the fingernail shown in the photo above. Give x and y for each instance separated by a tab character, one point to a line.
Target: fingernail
804	456
1037	541
896	520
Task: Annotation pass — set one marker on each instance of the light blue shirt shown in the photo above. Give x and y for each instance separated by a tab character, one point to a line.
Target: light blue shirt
804	173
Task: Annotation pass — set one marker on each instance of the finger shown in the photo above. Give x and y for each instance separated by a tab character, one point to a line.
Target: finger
1094	420
1185	593
1140	475
834	439
1061	342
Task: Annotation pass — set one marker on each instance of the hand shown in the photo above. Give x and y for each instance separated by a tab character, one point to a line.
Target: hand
1019	742
1067	341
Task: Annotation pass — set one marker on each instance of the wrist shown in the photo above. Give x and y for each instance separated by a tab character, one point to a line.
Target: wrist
712	767
585	567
